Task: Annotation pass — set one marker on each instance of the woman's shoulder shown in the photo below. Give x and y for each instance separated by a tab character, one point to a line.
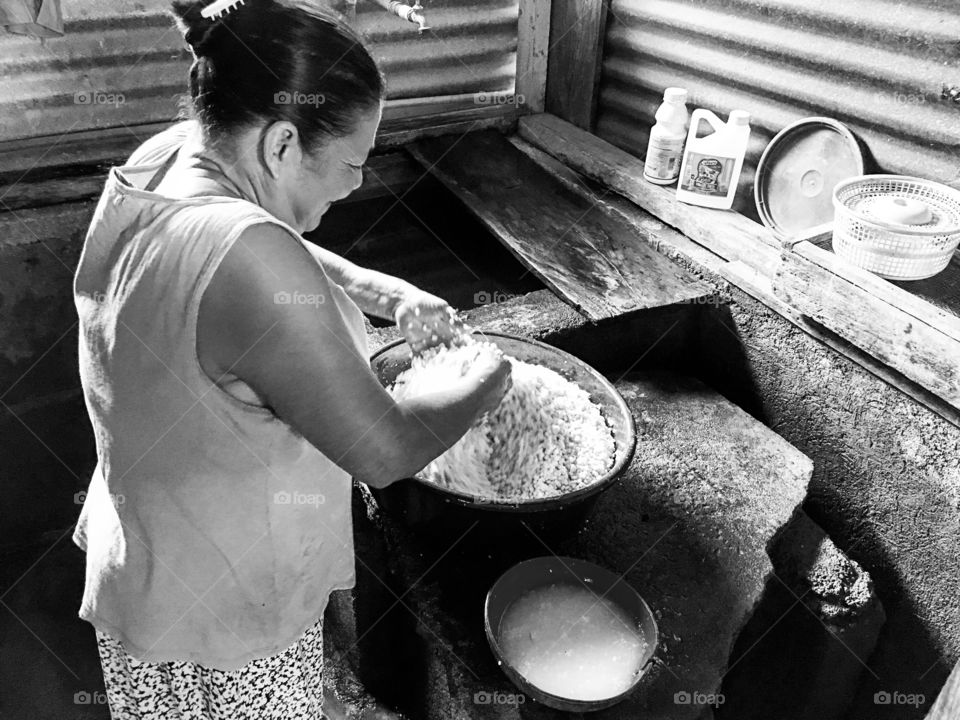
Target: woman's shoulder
158	148
266	283
267	257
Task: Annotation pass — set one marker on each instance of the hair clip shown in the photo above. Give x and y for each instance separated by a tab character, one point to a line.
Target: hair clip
219	8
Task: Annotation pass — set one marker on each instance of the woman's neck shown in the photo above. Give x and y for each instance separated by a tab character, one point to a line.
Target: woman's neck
200	170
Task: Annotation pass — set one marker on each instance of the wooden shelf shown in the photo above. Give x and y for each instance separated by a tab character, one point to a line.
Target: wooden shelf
906	333
592	259
942	290
903	330
42	171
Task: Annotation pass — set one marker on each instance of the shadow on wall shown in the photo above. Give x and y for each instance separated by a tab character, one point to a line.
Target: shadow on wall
49	665
48	451
427	237
47	456
884	487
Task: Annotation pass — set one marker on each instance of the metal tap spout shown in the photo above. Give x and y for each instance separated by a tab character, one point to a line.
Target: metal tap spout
411	13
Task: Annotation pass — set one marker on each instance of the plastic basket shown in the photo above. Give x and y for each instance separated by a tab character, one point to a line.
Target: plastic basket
892	250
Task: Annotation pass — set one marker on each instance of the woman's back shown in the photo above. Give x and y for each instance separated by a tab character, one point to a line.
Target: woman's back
214	532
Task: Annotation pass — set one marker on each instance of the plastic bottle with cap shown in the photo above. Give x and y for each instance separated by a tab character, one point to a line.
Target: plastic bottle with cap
712	163
665	149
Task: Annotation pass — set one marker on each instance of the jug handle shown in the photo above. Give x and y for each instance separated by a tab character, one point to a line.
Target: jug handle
702	114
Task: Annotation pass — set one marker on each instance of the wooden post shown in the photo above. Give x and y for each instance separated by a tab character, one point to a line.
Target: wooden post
533	38
577	31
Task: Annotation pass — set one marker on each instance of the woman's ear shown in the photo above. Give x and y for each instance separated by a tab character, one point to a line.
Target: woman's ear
280	145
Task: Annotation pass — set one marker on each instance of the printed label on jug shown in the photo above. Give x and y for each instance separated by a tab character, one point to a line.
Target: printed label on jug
708	174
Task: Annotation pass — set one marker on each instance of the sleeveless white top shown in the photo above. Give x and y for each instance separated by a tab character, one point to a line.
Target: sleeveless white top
214	533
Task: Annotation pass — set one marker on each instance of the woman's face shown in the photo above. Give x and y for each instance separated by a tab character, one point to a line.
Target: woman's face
312	182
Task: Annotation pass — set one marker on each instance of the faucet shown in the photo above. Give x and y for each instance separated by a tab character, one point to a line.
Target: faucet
411	13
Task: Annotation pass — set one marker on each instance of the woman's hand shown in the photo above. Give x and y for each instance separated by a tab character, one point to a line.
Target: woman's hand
427	321
491	378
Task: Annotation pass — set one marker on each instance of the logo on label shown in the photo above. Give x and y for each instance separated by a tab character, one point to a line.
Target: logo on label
707	174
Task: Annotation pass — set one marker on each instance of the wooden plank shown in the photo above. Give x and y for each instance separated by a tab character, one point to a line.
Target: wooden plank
33	225
942	290
385	175
660	237
760	288
43	193
577	29
533	44
947	706
923	311
43	157
71	169
592	259
458	124
71	154
433	106
921	352
817	235
725	232
388	174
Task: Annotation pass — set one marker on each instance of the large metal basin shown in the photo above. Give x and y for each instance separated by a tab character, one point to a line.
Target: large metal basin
428	508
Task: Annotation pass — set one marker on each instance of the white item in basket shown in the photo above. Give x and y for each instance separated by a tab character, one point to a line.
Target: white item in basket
898	227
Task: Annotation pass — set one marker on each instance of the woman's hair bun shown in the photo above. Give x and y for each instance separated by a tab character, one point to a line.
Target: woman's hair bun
195	27
271	60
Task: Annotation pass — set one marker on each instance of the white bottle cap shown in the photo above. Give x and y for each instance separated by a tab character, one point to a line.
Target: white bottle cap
739	117
675	95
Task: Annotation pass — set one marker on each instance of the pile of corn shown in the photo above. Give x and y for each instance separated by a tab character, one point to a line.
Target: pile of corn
546	438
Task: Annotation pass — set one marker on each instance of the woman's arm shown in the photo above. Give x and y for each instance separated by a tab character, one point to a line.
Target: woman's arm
424	319
375	293
299	357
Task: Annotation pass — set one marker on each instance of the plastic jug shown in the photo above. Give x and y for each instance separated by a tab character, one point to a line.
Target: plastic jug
712	163
665	149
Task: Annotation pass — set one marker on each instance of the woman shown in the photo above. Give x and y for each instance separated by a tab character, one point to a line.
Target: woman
224	366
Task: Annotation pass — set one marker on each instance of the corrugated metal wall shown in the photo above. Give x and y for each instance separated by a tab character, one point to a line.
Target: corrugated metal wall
472	46
122	62
889	70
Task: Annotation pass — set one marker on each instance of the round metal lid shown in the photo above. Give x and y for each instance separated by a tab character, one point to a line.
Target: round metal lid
798	171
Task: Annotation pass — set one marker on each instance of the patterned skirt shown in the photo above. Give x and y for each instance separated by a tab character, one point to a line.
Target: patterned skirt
285	686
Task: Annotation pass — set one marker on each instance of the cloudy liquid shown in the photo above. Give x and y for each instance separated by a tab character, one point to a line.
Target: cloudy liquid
568	641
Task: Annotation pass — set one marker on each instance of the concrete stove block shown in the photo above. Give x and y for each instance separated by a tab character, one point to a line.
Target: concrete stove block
655	335
688	525
808	644
540	315
536	315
